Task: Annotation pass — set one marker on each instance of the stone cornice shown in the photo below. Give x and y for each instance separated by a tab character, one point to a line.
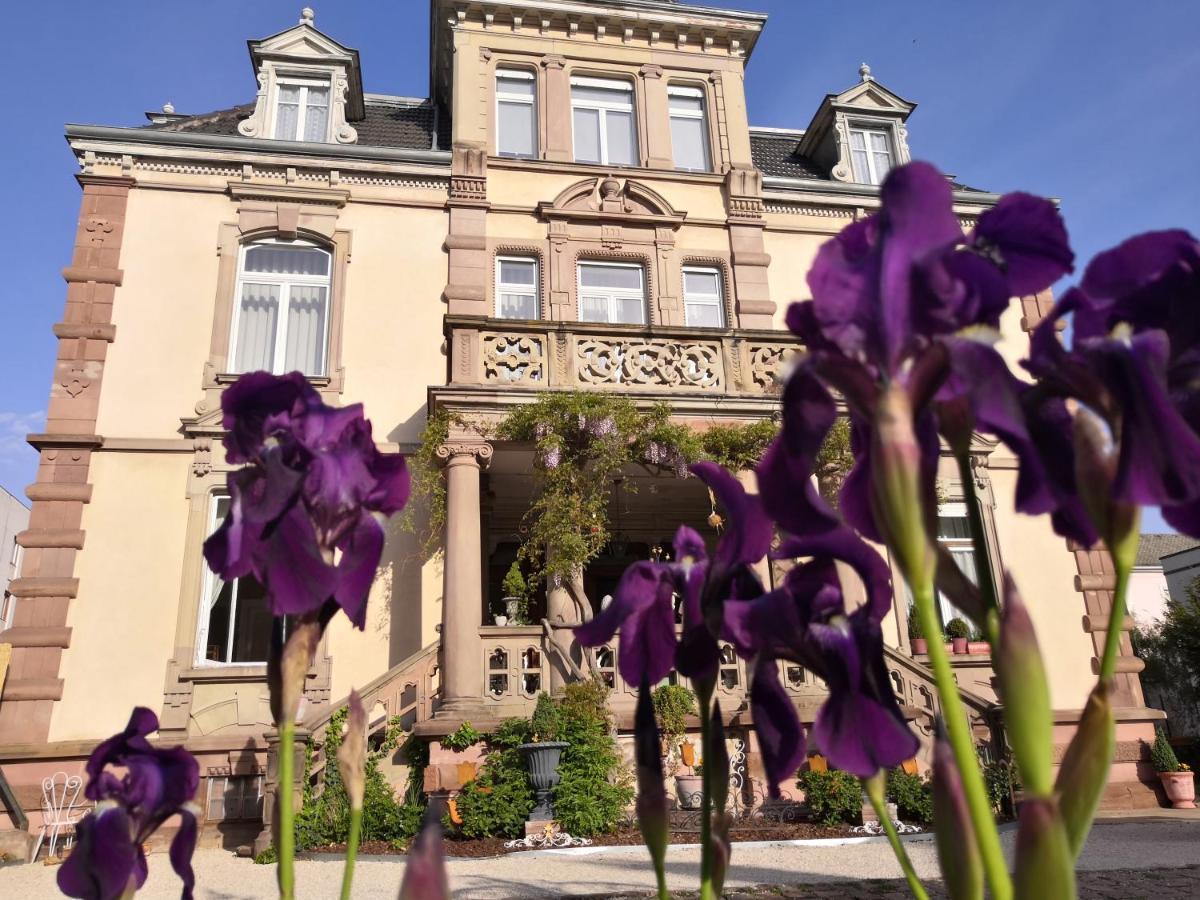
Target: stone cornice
867	194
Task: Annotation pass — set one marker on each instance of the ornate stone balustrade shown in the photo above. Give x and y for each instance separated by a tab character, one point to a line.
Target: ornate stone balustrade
590	356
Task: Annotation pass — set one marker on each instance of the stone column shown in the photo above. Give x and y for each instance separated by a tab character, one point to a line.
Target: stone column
558	144
657	119
462	594
271	786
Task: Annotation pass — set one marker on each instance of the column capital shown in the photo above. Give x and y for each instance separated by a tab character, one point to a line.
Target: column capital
554	61
651	71
465	452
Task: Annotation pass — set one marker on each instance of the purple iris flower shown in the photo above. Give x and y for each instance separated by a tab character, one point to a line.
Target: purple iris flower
1134	366
806	621
899	301
300	515
643	602
155	785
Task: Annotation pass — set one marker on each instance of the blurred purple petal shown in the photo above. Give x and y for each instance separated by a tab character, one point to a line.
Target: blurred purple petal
104	858
1030	238
748	532
425	867
780	734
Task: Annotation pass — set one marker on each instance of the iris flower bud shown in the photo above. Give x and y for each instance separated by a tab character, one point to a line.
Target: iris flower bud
1026	695
352	754
652	796
1045	864
1084	770
958	854
898	498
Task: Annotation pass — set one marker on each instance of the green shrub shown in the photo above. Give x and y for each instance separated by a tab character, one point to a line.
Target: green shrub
267	857
912	795
957	628
833	798
1162	754
596	787
545	722
1001	780
466	735
673	703
499	800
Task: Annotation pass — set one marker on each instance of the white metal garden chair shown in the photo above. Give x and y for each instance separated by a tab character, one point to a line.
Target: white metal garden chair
60	810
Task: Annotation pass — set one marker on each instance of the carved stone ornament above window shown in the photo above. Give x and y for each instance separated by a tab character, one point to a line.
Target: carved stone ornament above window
609	197
309	87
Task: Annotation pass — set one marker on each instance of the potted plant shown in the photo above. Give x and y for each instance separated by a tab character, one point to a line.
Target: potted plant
673	703
916	640
542	755
515	589
976	644
959	633
1177	779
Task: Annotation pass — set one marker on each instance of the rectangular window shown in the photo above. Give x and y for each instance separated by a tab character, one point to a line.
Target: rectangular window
288	276
235	622
871	151
703	303
602	119
689	129
612	292
516	287
302	110
954	533
516	114
234	797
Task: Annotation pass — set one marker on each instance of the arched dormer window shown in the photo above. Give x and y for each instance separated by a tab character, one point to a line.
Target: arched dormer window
281	313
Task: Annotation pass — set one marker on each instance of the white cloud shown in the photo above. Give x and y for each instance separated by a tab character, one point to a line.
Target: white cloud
13	428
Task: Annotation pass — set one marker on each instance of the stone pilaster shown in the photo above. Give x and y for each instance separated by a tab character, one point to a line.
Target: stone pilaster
744	208
466	243
54	538
558	144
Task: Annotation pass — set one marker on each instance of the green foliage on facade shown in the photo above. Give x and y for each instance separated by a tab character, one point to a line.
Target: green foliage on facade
499	800
673	703
912	795
464	736
833	797
596	787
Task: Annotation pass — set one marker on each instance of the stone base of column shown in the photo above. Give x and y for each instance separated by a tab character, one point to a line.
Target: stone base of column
1132	781
271	786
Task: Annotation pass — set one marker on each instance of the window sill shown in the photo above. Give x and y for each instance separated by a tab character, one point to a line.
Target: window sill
246	672
318	381
591	169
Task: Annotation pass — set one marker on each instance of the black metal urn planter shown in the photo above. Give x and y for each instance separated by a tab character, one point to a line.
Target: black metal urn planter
542	760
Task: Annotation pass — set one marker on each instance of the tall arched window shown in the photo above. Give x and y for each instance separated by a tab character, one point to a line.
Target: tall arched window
281	319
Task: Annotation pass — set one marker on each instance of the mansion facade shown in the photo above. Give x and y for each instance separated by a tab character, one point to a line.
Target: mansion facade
579	204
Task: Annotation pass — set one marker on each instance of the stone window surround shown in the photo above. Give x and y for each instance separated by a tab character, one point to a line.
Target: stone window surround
720	262
230	243
535	250
261	123
892	126
638	75
594	251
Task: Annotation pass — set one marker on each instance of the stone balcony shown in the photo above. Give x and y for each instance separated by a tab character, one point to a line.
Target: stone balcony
648	360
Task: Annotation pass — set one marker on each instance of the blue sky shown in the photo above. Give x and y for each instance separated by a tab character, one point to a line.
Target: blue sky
1091	101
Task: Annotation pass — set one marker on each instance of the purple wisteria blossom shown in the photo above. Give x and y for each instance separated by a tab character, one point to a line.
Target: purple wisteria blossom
1133	373
901	303
806	621
300	516
643	606
155	785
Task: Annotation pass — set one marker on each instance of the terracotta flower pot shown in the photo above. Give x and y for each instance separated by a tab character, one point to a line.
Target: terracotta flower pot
1180	788
978	647
689	790
959	644
920	646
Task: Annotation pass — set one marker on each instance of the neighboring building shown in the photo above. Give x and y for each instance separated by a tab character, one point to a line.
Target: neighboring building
14	518
1160	574
580	203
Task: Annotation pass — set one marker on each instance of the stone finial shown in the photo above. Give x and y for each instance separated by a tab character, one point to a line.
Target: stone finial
865	72
168	108
307	16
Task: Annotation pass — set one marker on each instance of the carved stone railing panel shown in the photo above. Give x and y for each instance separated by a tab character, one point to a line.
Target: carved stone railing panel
515	664
648	363
595	356
514	358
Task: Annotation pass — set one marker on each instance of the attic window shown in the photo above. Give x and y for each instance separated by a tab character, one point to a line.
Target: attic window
302	110
871	152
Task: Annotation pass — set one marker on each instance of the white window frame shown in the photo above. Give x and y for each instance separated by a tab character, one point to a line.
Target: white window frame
612	84
255	781
533	291
866	129
304	83
531	101
204	615
285	283
955	510
611	294
717	300
682	90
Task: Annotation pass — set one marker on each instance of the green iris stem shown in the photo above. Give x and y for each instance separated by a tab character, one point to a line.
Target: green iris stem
959	736
875	795
987	581
356	817
704	692
285	790
1124	551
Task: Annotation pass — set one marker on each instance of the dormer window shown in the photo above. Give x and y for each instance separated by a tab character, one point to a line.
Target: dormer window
871	154
302	110
602	117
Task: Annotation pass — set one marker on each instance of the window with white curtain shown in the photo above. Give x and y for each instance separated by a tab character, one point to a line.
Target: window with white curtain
871	153
281	319
235	622
602	121
516	287
516	113
302	110
689	129
612	292
954	533
703	303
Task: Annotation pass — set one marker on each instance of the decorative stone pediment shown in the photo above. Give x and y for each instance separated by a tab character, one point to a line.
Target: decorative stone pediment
868	103
611	197
305	54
